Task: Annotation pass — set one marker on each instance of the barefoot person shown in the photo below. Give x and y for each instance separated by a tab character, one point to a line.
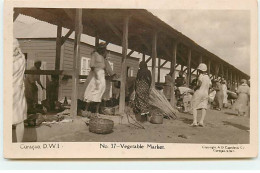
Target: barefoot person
96	83
142	91
19	102
200	97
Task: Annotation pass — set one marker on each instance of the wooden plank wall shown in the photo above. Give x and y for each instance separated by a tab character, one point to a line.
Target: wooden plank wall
44	49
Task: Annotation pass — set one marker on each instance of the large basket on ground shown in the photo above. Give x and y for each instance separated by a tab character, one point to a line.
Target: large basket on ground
156	116
156	119
101	126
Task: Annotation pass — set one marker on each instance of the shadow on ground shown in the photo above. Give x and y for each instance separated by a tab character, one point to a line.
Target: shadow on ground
241	127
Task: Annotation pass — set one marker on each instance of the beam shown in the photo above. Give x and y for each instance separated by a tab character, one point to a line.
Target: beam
173	70
161	66
143	58
189	68
159	70
148	59
76	59
16	14
123	66
154	56
48	72
130	53
66	36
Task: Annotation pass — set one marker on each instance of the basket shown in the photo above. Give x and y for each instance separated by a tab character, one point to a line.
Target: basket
156	119
101	126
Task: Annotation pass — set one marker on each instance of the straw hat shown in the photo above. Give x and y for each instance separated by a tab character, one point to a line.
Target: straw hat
202	67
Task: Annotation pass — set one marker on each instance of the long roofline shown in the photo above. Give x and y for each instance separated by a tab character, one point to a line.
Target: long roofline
142	14
190	42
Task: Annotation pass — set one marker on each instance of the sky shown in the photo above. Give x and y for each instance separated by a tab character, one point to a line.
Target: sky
226	33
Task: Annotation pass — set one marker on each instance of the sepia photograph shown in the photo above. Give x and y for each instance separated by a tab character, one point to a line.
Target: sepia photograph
132	77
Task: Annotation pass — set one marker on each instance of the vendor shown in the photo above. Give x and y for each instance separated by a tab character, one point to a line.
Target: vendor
180	80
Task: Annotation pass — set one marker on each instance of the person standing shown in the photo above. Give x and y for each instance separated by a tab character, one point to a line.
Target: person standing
219	95
19	102
225	96
241	105
142	91
201	94
96	83
31	89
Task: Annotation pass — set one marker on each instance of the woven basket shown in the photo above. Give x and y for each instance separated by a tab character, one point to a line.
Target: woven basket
156	119
101	126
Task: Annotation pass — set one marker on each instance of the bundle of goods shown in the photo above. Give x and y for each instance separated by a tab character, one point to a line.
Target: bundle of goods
231	95
158	100
101	126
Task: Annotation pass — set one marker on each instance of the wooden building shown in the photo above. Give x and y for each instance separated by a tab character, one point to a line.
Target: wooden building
135	29
44	49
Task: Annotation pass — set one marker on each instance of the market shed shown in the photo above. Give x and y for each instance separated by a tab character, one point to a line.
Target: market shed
135	30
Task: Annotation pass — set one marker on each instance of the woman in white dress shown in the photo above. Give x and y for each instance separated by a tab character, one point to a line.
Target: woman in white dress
19	102
225	96
201	94
96	83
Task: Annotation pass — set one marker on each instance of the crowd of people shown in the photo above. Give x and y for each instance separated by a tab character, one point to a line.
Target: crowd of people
202	92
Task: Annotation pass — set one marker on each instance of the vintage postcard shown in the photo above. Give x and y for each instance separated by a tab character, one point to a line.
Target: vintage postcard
130	79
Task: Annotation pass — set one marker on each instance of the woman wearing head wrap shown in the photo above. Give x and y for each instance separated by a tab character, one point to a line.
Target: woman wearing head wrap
19	102
201	94
242	103
142	90
96	83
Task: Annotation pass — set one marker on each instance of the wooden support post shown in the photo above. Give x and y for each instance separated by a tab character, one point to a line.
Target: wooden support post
189	69
222	71
58	47
227	78
76	57
58	57
123	66
96	41
200	60
231	80
173	70
154	56
209	64
143	58
159	70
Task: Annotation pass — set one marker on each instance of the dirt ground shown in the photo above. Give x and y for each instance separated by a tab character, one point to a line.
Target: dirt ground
220	128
